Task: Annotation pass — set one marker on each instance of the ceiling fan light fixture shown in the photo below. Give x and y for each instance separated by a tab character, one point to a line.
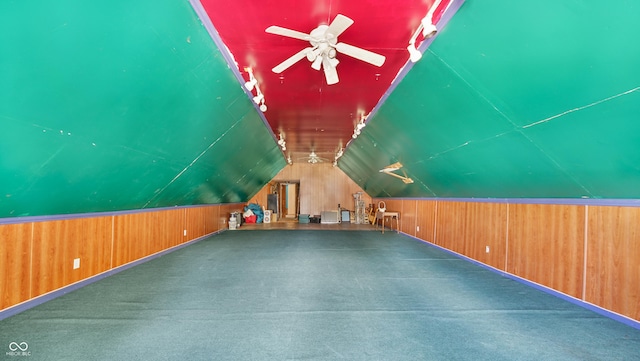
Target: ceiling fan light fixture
317	62
325	47
311	56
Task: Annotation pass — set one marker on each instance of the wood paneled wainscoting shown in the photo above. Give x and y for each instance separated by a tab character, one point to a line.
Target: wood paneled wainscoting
38	257
591	253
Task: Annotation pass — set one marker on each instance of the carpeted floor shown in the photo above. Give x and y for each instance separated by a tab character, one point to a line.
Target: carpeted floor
313	295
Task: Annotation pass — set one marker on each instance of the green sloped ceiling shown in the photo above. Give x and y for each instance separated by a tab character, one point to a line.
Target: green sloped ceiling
121	105
514	99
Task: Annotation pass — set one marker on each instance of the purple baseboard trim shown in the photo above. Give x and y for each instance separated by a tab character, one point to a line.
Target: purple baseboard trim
21	307
616	202
62	217
589	306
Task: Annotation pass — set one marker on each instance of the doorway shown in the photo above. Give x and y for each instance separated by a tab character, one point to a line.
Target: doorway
289	202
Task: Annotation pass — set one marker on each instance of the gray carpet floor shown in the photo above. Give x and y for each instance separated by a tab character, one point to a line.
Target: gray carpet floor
313	295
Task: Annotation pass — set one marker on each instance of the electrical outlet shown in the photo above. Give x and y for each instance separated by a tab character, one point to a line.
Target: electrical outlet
486	249
417	228
76	263
185	232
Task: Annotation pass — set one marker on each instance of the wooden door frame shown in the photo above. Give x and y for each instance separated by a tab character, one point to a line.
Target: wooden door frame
282	197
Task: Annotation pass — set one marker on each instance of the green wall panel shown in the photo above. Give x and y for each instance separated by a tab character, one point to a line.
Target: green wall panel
598	146
514	99
121	105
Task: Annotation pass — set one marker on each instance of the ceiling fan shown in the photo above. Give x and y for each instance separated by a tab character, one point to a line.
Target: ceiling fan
324	48
313	158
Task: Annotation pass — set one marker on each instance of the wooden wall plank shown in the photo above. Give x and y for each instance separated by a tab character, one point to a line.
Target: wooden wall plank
426	220
469	228
57	243
211	216
486	226
613	259
450	225
546	245
138	235
223	216
15	263
194	223
408	216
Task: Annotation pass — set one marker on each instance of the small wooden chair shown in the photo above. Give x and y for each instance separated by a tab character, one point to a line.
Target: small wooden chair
382	213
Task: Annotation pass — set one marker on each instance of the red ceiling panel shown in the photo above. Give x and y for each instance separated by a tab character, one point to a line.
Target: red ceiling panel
311	114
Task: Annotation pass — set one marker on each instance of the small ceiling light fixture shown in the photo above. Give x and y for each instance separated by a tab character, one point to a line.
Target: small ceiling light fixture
428	30
252	85
282	143
313	158
394	167
359	126
338	155
414	54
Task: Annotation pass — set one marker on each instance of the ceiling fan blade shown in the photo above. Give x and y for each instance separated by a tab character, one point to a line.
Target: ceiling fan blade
277	30
330	72
339	25
292	60
360	54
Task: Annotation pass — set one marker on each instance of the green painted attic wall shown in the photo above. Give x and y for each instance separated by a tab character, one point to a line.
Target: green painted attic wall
121	105
514	99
